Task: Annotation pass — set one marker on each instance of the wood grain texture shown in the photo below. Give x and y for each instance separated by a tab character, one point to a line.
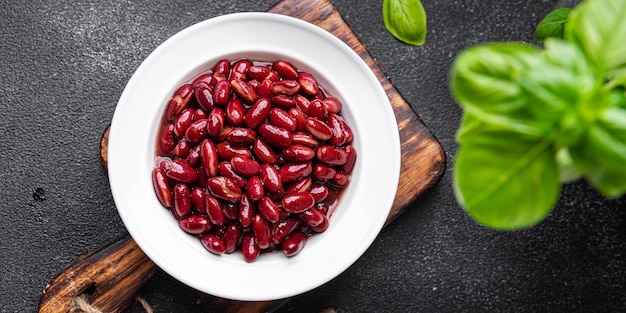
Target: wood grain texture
423	163
112	274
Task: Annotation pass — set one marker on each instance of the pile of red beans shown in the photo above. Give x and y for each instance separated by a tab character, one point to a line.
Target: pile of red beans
252	156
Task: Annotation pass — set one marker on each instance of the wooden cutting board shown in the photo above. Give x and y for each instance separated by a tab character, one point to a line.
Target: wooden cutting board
111	276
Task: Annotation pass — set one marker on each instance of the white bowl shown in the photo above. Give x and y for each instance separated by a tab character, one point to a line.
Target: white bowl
363	207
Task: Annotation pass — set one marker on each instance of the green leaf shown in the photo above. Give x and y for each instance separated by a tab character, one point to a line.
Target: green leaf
602	153
485	81
405	20
552	24
506	180
598	27
561	80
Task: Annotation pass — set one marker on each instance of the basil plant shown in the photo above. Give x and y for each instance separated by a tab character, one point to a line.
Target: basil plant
538	117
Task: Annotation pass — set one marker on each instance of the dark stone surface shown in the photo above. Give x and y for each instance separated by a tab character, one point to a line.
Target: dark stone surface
64	65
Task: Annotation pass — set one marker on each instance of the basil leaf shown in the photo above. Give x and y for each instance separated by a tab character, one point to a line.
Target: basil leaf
405	20
601	154
552	24
598	28
506	180
485	82
562	79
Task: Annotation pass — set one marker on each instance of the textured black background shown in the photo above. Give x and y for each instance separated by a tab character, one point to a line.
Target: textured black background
64	65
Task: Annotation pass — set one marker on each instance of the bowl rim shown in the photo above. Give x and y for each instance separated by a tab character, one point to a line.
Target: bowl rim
125	193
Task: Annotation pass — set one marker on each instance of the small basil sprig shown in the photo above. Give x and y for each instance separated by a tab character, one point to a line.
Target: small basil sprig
553	24
405	20
535	118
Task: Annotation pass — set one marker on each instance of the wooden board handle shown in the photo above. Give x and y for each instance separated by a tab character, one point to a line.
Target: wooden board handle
109	277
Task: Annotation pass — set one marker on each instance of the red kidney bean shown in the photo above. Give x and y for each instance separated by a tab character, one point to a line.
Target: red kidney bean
200	114
307	83
272	180
350	159
291	172
234	112
224	188
300	118
241	136
298	202
182	172
340	180
333	105
294	243
280	118
198	200
321	227
257	113
285	69
179	101
285	87
312	217
268	209
255	85
193	158
323	172
213	243
221	70
319	192
284	228
163	163
283	101
254	188
182	199
183	121
245	166
347	133
206	78
209	158
265	89
226	170
300	186
243	90
240	70
258	72
202	177
331	155
197	131
162	187
221	93
302	103
204	95
318	129
195	224
223	136
214	210
226	151
231	211
336	125
249	248
182	148
264	152
167	141
247	211
215	121
297	153
262	233
317	109
275	136
231	238
304	139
